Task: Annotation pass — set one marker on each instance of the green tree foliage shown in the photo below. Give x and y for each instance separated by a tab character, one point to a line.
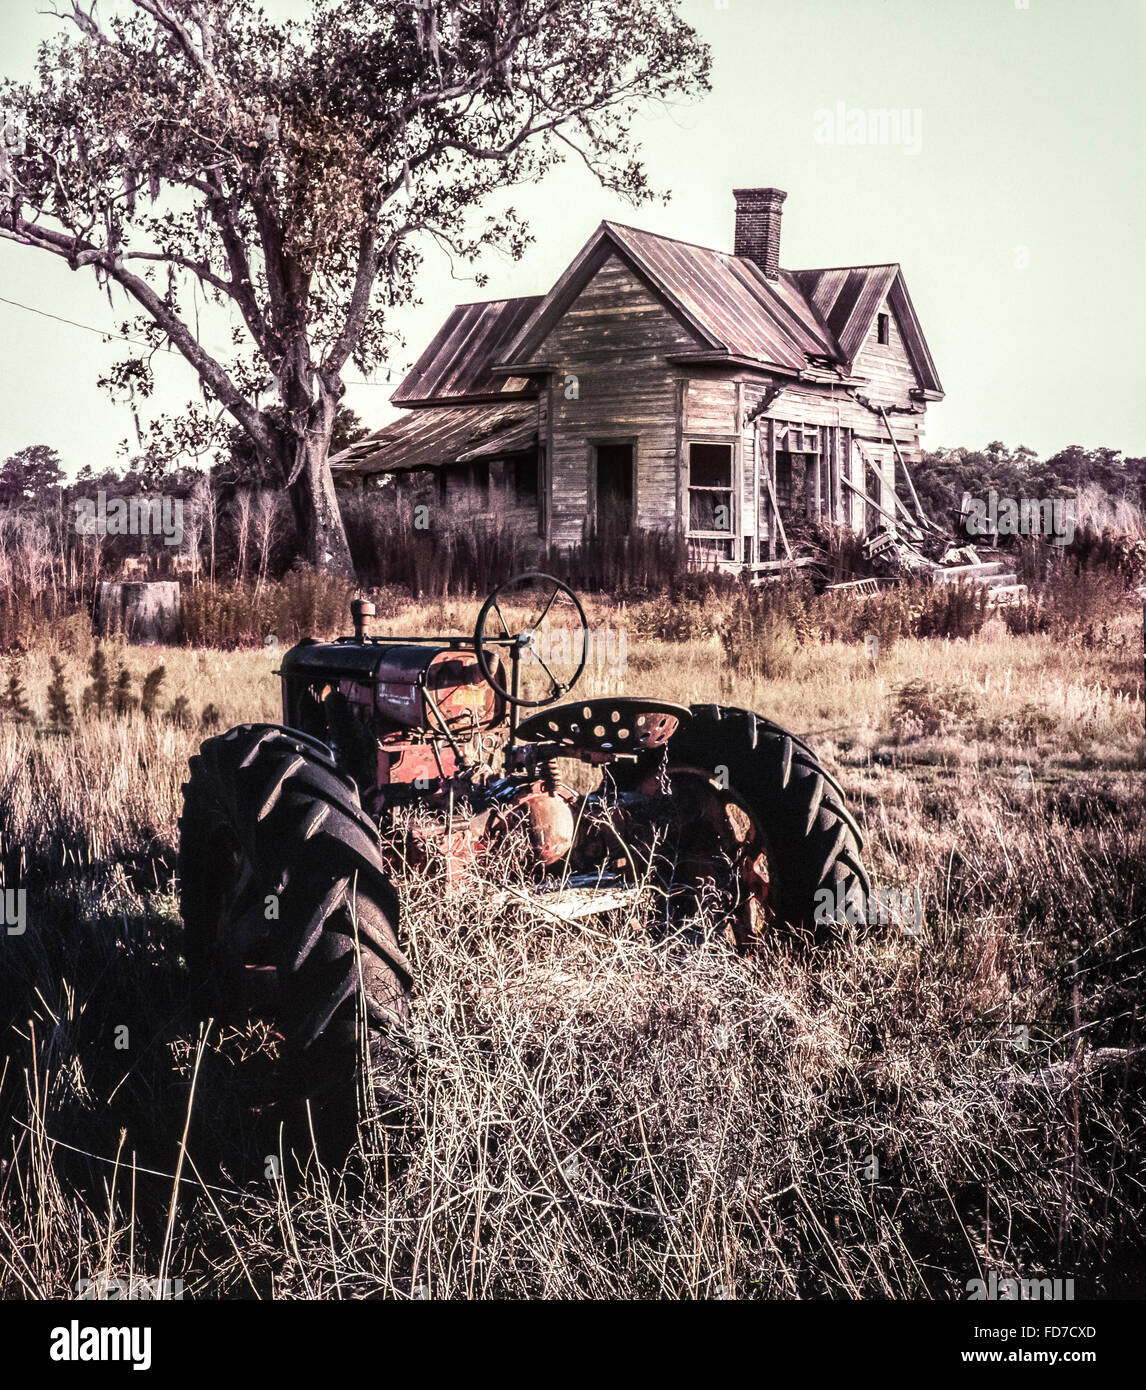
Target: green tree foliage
1074	468
943	475
30	476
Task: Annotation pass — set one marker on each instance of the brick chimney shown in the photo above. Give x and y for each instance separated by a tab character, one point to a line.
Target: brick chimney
758	213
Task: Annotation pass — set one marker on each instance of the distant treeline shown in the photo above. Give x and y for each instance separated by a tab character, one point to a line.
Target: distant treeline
943	475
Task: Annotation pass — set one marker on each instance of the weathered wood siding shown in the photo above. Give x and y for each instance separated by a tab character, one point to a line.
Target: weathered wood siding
886	365
710	405
611	345
614	384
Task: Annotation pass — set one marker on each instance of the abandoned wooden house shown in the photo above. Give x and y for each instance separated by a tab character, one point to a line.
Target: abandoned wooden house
660	384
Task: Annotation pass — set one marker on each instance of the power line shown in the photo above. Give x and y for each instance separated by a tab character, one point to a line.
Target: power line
137	342
43	313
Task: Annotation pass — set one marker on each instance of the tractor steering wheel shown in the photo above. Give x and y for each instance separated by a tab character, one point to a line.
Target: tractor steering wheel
552	632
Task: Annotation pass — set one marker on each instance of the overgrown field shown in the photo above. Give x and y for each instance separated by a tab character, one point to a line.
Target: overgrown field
586	1112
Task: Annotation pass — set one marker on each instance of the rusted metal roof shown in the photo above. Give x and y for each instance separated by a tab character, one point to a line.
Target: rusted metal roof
731	299
457	362
436	436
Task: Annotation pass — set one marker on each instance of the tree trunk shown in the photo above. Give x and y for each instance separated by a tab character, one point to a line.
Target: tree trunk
321	535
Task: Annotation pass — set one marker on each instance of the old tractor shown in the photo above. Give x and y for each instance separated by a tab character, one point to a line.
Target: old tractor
457	754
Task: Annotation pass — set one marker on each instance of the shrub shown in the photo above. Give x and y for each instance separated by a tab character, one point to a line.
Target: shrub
665	619
1077	597
97	696
916	609
13	700
152	683
180	713
1024	725
122	700
1025	617
60	713
765	627
924	710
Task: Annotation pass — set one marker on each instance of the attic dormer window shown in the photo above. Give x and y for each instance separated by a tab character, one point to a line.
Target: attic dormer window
883	329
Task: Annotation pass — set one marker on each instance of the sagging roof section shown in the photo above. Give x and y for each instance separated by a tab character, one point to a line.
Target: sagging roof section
438	436
456	365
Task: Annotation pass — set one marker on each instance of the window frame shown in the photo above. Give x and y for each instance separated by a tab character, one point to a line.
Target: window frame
731	443
796	439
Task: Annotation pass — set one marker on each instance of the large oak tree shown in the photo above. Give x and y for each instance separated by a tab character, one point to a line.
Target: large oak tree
191	150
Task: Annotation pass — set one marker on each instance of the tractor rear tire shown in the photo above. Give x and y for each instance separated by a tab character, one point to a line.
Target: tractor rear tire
289	913
813	843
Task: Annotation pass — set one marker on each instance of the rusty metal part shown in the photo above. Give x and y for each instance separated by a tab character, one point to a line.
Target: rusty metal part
551	825
544	814
400	760
361	610
606	725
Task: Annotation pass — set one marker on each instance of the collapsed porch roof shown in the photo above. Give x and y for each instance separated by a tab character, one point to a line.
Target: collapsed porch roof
438	436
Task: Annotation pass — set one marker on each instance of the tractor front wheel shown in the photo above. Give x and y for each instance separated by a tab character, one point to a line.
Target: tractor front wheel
288	912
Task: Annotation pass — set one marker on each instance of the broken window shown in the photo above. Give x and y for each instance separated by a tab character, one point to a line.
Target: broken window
797	457
710	488
883	329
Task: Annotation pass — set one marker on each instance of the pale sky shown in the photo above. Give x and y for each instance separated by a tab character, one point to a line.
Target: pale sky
1019	220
